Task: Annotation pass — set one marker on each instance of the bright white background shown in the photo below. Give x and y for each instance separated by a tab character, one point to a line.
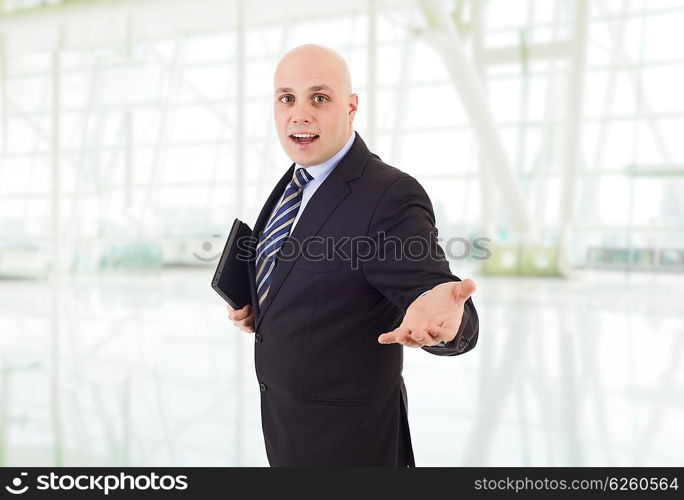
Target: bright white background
133	132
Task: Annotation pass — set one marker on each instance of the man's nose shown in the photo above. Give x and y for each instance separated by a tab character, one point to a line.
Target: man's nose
301	114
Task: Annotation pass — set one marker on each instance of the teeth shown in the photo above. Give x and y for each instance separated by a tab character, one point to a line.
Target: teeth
303	135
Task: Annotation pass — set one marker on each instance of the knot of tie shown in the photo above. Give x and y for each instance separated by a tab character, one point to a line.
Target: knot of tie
300	178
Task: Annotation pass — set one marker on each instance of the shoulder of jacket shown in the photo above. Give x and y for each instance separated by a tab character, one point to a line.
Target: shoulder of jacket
383	174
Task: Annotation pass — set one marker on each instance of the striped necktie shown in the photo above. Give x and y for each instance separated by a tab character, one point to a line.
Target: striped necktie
277	229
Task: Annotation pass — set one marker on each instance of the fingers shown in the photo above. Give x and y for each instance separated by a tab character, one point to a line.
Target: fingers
439	333
408	342
407	338
246	325
239	314
445	330
403	337
389	337
242	318
423	337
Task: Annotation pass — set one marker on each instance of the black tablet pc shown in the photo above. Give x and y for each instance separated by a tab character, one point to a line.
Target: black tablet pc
231	279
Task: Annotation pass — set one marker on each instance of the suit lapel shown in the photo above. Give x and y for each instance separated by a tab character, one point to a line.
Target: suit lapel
319	208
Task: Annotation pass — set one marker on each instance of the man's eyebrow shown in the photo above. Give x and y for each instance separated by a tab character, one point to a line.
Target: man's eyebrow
316	88
313	88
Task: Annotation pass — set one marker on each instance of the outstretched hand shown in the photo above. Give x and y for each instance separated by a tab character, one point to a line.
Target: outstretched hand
434	317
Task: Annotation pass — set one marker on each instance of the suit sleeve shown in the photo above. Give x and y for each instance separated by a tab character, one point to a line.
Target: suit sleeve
408	259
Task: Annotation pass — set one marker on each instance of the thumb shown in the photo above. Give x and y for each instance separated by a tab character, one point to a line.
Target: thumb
465	289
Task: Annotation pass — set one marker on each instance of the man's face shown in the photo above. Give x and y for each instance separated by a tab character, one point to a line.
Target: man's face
311	98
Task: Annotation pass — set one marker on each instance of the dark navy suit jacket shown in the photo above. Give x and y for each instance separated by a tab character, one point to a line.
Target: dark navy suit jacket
330	393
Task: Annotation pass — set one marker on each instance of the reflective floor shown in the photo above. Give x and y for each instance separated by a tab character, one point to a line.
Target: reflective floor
146	370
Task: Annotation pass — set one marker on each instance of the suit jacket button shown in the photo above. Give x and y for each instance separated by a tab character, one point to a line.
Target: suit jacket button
258	338
463	344
262	387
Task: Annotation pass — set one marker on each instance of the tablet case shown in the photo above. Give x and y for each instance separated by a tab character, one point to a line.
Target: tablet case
231	279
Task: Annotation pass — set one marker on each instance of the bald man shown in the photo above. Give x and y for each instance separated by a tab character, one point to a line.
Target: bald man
346	272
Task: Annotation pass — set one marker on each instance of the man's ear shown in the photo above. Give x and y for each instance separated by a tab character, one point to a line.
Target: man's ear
353	106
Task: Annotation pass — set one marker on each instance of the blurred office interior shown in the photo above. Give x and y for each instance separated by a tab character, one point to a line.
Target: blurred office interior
132	133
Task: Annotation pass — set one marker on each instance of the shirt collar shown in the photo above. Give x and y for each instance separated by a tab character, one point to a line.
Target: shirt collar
322	170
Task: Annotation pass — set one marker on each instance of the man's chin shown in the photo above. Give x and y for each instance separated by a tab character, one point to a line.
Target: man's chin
305	163
304	160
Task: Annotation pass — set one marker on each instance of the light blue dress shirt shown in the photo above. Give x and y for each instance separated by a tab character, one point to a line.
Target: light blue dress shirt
319	173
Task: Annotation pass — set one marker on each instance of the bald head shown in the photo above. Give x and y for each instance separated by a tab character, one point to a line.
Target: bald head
313	103
317	60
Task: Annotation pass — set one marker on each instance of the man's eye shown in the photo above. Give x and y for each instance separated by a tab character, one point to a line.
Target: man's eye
285	98
321	97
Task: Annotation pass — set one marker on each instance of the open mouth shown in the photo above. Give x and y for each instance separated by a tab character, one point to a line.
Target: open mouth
304	138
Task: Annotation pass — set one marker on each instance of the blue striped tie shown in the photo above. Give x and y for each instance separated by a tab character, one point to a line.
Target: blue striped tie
277	230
